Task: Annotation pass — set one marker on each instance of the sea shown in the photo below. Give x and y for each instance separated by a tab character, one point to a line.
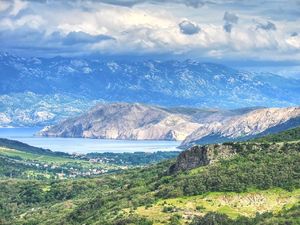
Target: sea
85	145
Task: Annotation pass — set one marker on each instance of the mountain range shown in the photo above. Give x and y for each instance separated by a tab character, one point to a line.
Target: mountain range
47	84
192	125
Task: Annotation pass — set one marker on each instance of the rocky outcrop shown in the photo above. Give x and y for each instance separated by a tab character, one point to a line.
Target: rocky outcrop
201	156
255	123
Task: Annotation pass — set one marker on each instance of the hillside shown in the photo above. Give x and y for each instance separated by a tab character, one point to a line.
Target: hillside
126	121
22	161
256	123
20	146
259	177
19	160
194	126
285	136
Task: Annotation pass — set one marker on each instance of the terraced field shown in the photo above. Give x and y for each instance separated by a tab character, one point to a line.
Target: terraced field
229	203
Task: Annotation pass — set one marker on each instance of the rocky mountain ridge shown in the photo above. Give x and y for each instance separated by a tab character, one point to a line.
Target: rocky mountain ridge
165	82
255	123
194	126
125	121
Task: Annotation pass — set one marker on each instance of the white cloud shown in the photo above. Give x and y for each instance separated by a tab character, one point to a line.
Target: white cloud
267	25
18	6
294	41
4	5
188	27
150	27
32	21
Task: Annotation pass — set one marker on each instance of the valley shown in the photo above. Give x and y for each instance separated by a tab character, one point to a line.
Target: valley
118	164
27	162
149	112
26	165
261	176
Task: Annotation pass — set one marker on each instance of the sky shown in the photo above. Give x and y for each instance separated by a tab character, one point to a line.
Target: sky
243	33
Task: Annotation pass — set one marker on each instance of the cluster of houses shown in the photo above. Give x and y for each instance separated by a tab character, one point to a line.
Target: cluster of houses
73	173
63	172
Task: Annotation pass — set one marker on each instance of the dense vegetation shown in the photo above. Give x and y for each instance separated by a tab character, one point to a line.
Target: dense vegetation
124	198
10	168
259	166
285	136
116	199
132	159
97	199
290	216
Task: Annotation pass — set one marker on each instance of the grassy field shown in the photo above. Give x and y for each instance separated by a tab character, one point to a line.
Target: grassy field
30	156
231	204
57	160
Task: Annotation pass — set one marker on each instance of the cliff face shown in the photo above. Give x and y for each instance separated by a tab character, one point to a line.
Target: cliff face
241	127
200	156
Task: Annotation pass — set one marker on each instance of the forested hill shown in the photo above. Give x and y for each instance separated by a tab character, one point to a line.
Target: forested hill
284	136
201	155
20	146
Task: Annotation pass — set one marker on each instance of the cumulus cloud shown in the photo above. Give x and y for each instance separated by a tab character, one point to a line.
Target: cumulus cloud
81	37
294	41
131	3
228	27
188	27
17	7
12	7
26	40
4	5
152	26
229	20
266	26
194	3
294	34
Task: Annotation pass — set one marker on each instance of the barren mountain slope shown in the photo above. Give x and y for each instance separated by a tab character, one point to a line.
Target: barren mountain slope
126	121
254	123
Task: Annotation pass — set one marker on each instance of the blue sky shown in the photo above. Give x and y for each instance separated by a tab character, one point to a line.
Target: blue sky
263	33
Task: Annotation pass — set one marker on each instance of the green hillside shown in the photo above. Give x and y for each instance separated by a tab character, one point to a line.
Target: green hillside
284	136
19	160
20	146
261	177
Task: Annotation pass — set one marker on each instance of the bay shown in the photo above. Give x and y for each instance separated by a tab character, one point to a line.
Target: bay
84	145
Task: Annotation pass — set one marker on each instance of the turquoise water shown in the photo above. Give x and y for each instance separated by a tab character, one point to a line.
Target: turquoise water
84	145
